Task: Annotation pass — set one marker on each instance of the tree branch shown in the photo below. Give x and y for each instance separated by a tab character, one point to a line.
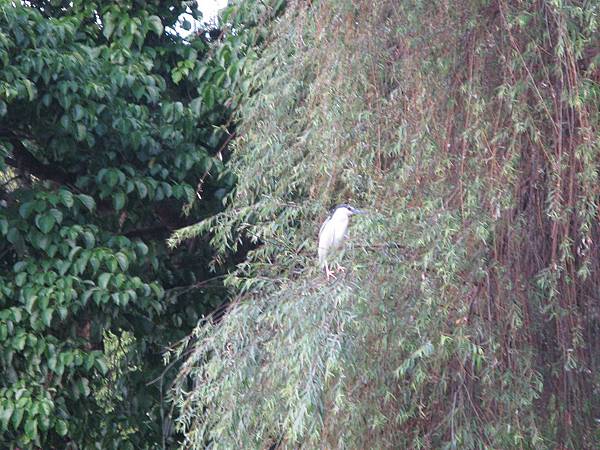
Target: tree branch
153	231
23	160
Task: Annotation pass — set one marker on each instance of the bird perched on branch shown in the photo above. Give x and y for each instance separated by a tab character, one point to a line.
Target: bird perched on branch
333	233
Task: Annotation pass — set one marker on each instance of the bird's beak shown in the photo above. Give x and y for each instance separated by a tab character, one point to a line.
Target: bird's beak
359	211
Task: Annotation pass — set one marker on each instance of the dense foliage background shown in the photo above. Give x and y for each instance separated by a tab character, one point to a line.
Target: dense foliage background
113	129
469	316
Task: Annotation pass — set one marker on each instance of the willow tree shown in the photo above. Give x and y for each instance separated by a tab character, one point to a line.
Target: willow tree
111	124
469	314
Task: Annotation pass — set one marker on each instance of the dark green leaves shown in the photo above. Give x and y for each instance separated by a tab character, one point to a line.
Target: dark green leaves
109	151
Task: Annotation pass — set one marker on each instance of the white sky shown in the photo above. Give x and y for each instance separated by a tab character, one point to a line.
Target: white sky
210	8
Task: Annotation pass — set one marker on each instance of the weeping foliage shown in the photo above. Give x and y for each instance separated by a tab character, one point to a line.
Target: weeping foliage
468	317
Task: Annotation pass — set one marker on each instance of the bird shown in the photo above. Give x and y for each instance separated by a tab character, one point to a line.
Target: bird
333	233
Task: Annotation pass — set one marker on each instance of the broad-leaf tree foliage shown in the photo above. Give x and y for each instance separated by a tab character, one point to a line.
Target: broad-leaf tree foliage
469	313
111	125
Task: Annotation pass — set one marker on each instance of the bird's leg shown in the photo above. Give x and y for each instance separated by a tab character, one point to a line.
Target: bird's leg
328	272
340	268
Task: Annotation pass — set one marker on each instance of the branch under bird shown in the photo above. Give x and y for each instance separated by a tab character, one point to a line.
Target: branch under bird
333	233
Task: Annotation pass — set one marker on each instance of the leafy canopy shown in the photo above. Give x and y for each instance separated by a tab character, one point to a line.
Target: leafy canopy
110	125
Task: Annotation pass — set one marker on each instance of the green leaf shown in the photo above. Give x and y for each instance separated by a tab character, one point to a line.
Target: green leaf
83	385
119	200
95	263
26	209
78	112
176	76
19	341
52	360
66	197
45	222
30	88
13	236
74	251
62	312
86	295
19	266
127	40
89	239
111	264
31	428
87	201
190	193
6	410
108	25
67	358
111	177
103	280
123	298
65	122
30	302
167	189
138	90
155	24
63	267
122	260
47	316
196	105
40	240
44	422
61	427
46	408
20	279
80	132
88	361
142	189
100	364
17	417
141	248
158	290
58	216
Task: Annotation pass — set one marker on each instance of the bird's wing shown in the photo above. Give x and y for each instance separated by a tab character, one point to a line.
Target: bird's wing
325	240
323	225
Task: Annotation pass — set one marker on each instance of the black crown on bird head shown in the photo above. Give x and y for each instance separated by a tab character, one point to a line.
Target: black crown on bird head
352	209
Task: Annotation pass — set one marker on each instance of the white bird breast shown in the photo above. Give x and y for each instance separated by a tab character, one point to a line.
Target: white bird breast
332	234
